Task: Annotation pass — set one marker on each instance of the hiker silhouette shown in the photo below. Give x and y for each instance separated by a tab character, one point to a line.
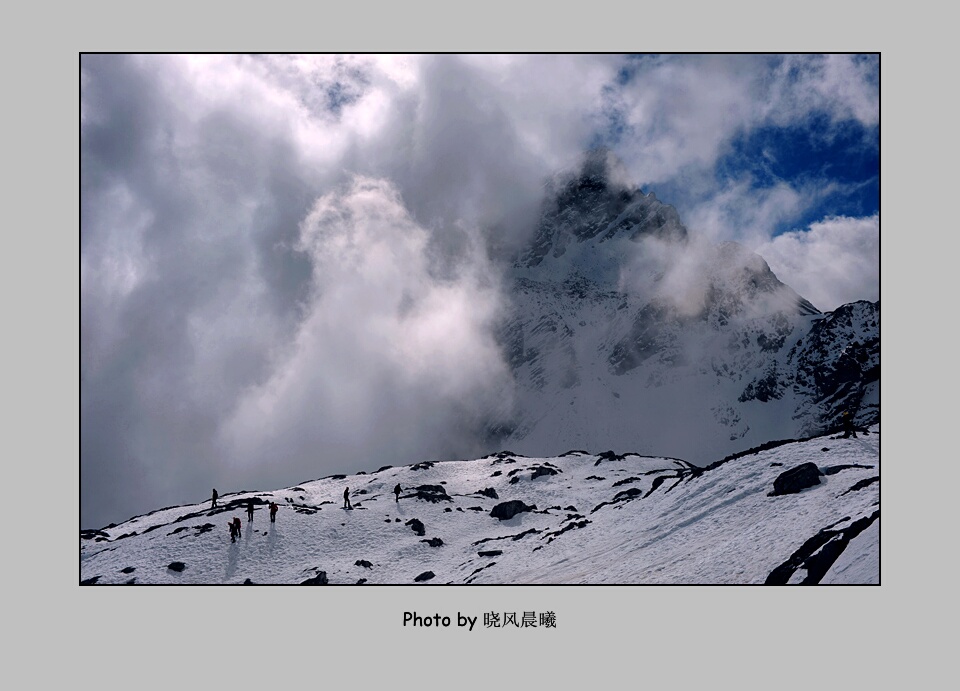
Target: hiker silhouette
848	428
234	526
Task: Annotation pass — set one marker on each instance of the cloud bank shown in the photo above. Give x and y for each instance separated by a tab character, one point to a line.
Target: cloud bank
290	264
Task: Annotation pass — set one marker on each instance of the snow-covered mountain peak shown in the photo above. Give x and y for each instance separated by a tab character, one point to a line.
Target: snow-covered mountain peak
589	220
626	330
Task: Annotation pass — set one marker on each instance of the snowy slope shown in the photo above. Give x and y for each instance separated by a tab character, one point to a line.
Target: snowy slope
598	519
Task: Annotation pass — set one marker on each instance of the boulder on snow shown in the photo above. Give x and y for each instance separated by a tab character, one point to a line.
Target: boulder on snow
319	579
433	542
425	576
796	479
542	470
177	566
417	526
431	493
364	563
506	510
488	492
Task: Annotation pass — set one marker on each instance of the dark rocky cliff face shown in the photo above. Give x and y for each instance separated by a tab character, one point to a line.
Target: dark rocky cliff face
592	205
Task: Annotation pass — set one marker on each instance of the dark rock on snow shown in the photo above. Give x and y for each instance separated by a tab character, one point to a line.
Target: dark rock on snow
319	579
508	509
425	576
796	479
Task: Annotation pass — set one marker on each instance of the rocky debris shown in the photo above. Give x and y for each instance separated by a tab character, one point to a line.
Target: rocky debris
628	493
417	526
488	492
626	481
364	563
201	529
425	576
430	493
818	554
660	479
361	581
422	466
177	566
542	470
796	479
91	534
608	456
834	469
508	509
518	536
862	484
90	581
319	579
573	525
434	542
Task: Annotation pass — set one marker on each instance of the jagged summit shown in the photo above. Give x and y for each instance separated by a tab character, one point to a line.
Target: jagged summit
595	206
627	330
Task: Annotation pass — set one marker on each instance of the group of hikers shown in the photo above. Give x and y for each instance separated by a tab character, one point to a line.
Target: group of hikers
235	524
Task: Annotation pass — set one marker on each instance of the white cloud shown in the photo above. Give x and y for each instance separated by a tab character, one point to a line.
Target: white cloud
834	262
390	362
196	278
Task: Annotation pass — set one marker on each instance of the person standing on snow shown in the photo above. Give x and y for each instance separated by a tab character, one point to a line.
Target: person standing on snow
234	526
213	503
273	512
250	510
848	428
346	498
396	492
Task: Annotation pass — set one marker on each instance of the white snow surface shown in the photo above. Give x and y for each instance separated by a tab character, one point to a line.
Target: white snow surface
680	526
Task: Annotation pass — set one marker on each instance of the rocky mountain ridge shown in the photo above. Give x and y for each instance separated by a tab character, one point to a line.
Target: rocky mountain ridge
627	331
